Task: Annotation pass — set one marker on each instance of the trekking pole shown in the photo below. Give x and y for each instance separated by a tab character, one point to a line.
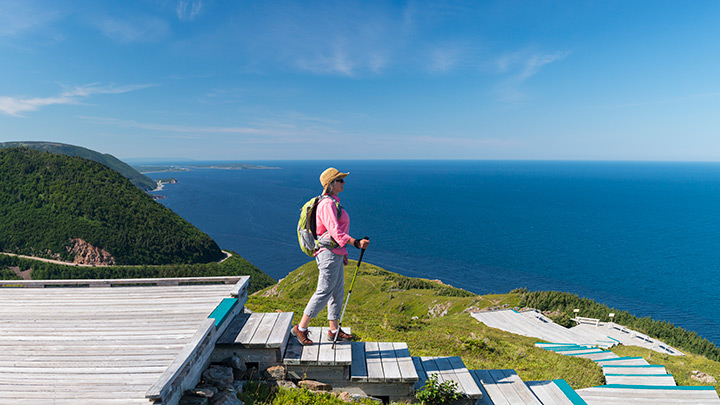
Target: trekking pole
352	284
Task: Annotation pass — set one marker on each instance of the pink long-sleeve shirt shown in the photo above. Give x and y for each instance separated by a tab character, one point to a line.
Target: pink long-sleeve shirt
327	221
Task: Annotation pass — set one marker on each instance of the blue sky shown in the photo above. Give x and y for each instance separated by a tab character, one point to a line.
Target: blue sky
255	80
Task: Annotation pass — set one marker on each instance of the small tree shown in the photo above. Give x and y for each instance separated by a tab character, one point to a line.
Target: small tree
436	393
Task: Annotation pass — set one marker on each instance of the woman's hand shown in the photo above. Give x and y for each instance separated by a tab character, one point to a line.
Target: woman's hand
345	260
360	243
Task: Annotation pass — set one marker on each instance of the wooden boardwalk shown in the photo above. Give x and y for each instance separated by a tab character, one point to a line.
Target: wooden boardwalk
105	345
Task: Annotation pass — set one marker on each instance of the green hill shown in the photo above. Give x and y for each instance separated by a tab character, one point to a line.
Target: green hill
433	319
140	180
69	208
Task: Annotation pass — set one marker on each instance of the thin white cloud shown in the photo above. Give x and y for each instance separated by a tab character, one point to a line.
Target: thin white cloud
171	127
465	143
22	16
15	106
187	10
135	29
523	65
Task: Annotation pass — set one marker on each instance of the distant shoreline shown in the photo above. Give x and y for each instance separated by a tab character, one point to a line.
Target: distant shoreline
148	169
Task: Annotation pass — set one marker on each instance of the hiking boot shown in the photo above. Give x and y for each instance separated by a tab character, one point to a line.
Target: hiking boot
301	336
342	337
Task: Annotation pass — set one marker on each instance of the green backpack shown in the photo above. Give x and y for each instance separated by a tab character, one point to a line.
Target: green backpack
307	225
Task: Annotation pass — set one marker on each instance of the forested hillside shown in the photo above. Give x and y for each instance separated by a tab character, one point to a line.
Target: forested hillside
143	182
69	208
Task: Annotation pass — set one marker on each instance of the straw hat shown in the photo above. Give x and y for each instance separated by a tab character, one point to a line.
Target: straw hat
329	175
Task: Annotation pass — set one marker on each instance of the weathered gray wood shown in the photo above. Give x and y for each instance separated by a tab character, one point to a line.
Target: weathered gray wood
373	362
293	351
358	368
405	363
281	331
119	282
494	391
431	368
548	392
389	362
519	387
247	332
262	333
420	370
463	377
310	353
326	354
233	330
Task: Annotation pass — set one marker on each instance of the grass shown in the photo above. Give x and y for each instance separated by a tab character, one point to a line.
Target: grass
386	306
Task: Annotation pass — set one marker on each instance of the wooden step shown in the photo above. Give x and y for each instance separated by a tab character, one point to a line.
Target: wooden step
256	337
641	379
648	369
382	362
647	394
624	361
320	353
503	387
554	392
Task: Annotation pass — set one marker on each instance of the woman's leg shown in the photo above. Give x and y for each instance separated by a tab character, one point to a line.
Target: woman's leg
327	282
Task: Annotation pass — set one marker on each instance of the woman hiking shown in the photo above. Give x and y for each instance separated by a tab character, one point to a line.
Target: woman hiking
331	257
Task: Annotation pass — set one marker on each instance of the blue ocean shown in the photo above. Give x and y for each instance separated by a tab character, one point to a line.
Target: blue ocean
642	237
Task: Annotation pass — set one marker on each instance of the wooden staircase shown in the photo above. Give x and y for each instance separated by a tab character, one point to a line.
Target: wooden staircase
380	369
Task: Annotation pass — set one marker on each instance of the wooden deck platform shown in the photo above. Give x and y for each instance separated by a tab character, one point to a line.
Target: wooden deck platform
107	345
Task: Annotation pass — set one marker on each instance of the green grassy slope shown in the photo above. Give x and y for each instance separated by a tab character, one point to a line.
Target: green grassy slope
383	306
46	200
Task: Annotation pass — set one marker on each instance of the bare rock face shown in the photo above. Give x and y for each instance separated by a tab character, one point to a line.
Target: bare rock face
313	385
275	373
86	253
438	310
702	377
226	398
218	376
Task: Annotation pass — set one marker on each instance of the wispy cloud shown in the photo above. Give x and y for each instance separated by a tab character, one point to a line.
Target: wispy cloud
21	16
134	29
523	65
517	68
187	10
171	127
15	106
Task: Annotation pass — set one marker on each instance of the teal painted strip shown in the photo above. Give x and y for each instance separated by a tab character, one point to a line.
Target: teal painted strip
612	338
222	311
639	375
620	358
515	311
660	387
569	392
630	365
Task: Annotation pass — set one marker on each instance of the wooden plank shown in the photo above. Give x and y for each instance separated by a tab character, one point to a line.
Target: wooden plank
221	312
233	330
389	362
279	335
358	368
405	362
293	352
431	368
374	363
118	282
463	376
520	388
420	370
264	328
247	332
548	393
494	392
326	354
172	372
310	353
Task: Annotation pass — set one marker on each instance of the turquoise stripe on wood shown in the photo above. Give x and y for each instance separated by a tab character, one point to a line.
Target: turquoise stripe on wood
660	387
570	393
222	311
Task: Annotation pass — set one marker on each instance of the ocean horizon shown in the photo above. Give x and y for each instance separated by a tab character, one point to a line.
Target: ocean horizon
637	236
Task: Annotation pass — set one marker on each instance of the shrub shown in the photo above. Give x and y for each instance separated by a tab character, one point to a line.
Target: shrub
435	392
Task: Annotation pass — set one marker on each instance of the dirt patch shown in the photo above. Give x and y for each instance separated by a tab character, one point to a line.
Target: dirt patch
25	275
